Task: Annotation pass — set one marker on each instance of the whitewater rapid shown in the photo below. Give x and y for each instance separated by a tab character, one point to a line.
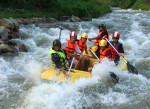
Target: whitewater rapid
21	87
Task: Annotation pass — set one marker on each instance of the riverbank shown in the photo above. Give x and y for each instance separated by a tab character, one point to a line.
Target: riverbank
133	4
9	30
21	86
55	9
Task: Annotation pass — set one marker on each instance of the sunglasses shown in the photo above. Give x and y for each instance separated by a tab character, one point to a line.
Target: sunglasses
115	38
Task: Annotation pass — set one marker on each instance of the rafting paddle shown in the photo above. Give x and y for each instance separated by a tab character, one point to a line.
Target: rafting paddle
113	76
130	67
70	66
60	32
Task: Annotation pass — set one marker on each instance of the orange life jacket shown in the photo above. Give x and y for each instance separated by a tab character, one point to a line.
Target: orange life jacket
113	52
97	40
103	53
71	48
81	45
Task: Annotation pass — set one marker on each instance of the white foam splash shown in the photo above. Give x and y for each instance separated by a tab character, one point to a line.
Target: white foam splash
102	69
34	69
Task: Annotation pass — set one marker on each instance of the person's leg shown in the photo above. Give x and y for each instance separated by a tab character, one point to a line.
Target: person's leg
86	63
90	68
70	61
67	64
82	64
76	64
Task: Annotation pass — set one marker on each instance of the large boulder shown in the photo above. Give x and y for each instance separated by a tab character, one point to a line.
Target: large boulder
51	20
64	18
3	33
16	25
2	42
4	48
86	19
22	21
14	35
7	23
75	19
22	48
33	20
12	42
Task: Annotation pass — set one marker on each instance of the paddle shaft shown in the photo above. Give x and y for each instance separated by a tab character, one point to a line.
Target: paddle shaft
116	50
94	54
130	67
71	65
60	32
113	76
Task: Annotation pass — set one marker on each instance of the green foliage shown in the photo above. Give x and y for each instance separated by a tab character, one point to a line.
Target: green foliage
127	3
99	8
142	4
54	8
114	3
134	4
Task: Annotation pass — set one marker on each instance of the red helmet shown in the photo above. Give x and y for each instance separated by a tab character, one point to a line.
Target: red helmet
73	33
116	35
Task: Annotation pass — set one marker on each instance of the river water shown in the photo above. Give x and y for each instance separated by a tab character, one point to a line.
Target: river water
21	87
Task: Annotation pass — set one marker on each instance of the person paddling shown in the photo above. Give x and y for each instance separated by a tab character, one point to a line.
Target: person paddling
82	42
104	33
119	47
104	52
85	61
58	56
71	48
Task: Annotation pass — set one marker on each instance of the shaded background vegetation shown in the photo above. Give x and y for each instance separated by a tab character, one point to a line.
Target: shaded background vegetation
53	8
57	8
134	4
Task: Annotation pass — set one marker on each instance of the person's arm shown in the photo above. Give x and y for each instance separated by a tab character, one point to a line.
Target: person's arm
94	38
86	50
64	72
77	50
108	54
102	35
121	50
64	44
56	60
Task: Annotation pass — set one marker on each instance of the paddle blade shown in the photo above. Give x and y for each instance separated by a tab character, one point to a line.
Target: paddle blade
114	77
131	68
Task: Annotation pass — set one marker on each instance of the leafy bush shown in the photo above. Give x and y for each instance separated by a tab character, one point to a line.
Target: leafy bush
56	8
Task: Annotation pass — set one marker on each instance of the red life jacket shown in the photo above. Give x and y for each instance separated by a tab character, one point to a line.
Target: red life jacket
81	45
71	48
113	52
103	53
98	40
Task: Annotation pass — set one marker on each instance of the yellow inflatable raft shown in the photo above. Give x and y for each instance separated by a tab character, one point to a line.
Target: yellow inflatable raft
57	75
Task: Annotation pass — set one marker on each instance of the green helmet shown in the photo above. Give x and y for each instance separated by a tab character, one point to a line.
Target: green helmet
102	25
56	42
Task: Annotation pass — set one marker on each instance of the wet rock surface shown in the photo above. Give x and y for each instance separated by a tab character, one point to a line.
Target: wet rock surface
9	30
